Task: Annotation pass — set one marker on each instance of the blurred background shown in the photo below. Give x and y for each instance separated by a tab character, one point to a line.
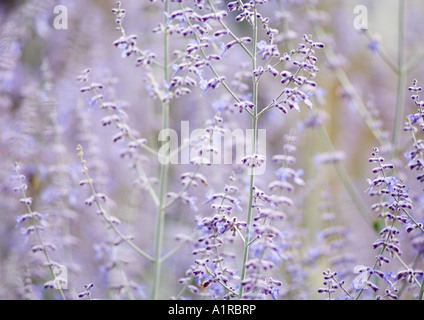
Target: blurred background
43	116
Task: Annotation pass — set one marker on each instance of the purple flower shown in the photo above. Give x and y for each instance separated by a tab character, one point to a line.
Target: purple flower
20	220
373	46
199	223
390	278
275	292
391	182
192	202
237	204
307	101
209	197
267	50
221	226
414	118
224	48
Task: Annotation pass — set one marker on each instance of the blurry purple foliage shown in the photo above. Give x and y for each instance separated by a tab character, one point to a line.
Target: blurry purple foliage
100	176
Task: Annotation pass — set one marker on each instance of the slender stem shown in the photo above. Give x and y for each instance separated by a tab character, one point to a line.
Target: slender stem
103	212
251	55
405	283
173	251
131	137
414	61
382	53
254	142
46	255
163	175
184	189
167	205
211	67
247	236
344	177
349	87
375	264
148	185
35	223
272	104
420	294
387	240
398	120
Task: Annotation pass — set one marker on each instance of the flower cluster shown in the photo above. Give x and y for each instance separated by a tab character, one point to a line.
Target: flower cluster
394	210
128	43
332	284
106	249
193	177
212	272
87	292
306	62
117	116
35	224
333	238
415	121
